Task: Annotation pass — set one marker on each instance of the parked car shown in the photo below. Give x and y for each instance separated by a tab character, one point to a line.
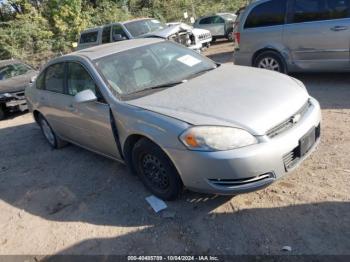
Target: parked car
220	25
15	76
294	35
138	28
202	36
175	117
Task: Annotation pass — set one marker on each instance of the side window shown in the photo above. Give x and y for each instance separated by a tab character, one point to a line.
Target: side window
54	78
78	79
40	83
269	13
218	20
118	33
90	37
7	72
106	35
206	21
317	10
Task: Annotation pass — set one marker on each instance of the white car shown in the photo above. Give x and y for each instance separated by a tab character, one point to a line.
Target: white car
202	36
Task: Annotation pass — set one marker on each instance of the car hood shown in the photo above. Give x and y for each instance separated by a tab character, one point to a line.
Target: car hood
254	99
168	31
199	31
16	84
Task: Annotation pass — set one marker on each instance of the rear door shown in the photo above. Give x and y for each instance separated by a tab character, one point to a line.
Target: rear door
318	34
52	99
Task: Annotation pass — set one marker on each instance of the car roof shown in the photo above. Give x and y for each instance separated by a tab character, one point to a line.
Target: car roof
96	28
137	19
9	62
99	51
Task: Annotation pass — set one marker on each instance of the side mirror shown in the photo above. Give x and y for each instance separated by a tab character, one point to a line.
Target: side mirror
118	37
85	97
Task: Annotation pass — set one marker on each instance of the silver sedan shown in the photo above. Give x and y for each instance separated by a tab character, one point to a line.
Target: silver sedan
176	118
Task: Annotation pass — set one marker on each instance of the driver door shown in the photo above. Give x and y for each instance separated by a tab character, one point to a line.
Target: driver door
90	123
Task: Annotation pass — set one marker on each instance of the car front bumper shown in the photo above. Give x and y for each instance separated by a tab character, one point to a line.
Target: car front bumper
245	169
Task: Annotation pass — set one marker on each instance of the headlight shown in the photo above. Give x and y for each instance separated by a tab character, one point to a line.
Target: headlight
216	138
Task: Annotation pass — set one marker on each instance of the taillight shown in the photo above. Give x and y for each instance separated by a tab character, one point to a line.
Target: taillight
237	37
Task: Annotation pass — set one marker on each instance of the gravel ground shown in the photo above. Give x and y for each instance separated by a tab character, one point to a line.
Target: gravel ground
71	201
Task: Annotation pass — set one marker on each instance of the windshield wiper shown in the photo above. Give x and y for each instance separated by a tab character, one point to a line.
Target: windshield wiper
202	72
160	86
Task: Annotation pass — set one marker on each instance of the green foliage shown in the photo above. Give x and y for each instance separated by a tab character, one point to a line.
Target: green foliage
41	28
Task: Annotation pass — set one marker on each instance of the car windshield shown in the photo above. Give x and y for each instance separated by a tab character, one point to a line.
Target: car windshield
12	70
150	67
229	16
141	27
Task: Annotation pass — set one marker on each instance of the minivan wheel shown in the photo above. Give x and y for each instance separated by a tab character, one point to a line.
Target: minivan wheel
156	170
271	61
49	134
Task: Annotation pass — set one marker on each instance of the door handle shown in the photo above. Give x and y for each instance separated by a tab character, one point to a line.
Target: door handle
339	28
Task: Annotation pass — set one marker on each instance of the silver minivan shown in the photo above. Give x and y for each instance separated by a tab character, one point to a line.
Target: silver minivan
294	35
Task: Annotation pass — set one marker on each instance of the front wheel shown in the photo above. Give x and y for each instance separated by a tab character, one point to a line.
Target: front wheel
156	170
271	61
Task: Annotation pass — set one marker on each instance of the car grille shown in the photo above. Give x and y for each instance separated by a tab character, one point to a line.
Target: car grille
204	36
292	158
240	182
289	123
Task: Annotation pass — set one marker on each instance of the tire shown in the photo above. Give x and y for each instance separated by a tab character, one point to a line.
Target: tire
270	60
213	39
49	134
230	37
2	112
156	170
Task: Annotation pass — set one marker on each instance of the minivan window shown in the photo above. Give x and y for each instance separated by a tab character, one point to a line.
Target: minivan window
88	37
316	10
54	78
106	35
269	13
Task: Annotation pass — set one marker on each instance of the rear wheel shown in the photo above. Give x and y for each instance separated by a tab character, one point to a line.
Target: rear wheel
49	134
156	170
230	36
270	60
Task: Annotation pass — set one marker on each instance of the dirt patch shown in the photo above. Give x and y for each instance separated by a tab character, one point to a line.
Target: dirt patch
72	201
